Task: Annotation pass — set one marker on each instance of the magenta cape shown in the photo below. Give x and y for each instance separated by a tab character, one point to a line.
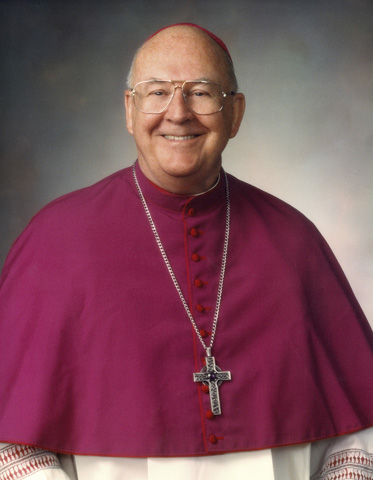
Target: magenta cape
98	355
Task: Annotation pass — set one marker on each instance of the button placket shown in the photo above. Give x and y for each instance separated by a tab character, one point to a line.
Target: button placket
199	284
198	274
196	257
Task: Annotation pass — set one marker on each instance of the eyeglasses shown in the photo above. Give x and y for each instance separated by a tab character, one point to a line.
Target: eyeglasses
202	97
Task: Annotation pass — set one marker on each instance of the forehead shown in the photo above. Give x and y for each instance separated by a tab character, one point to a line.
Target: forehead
180	54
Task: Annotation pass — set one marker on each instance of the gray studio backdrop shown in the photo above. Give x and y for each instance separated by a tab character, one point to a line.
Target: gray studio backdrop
306	68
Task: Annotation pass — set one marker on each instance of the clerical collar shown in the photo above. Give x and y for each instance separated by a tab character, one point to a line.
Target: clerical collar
206	191
207	200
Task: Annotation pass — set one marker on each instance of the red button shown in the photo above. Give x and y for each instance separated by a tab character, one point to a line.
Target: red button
210	415
194	232
203	333
196	257
200	308
191	212
205	389
213	439
198	282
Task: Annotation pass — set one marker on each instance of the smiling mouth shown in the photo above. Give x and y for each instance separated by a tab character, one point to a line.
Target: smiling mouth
185	137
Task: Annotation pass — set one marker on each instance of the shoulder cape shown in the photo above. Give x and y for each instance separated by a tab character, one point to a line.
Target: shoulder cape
97	353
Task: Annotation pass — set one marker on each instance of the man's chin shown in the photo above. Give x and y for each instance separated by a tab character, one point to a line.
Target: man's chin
189	180
183	169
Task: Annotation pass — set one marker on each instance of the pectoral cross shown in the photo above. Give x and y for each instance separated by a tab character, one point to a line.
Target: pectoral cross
212	376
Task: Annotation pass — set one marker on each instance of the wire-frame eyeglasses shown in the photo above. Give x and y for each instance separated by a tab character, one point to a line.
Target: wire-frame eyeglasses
202	97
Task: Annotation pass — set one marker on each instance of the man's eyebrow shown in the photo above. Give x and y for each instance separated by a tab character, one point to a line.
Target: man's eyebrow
199	79
203	79
154	79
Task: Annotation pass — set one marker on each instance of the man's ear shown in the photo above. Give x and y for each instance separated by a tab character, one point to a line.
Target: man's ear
128	103
238	111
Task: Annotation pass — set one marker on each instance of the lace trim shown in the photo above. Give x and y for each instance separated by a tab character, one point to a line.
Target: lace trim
20	461
347	464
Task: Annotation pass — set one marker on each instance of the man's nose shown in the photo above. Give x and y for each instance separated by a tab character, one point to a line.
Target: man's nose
178	109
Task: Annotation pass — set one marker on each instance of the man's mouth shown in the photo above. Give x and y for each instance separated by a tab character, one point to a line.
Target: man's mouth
185	137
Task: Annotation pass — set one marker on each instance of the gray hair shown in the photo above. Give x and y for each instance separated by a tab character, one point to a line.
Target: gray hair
132	67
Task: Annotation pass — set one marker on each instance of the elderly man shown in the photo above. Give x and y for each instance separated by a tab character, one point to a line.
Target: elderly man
171	313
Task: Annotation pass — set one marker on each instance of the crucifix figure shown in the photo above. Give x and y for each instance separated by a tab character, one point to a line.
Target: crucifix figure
212	376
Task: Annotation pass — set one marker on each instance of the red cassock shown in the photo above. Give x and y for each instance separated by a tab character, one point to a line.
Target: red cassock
98	353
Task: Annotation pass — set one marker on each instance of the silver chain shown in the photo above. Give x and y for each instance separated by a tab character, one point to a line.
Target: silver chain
171	272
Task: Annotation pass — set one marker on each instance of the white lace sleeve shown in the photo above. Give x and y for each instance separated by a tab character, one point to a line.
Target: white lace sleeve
344	458
22	461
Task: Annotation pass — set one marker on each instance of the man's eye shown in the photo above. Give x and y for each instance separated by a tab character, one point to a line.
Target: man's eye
157	93
199	93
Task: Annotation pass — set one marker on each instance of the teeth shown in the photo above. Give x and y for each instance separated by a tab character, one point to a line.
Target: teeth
172	137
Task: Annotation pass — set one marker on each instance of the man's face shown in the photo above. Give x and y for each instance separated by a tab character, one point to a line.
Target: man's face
178	150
